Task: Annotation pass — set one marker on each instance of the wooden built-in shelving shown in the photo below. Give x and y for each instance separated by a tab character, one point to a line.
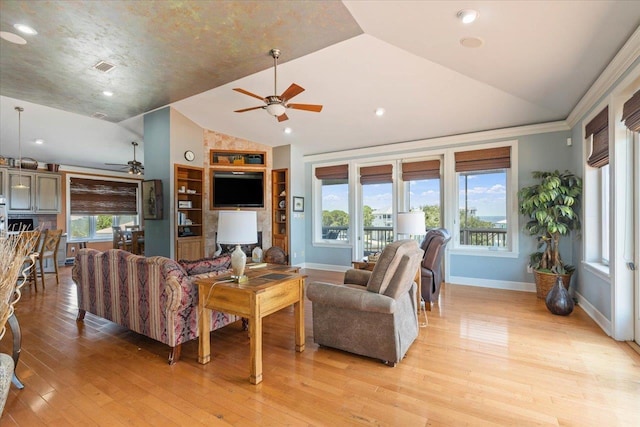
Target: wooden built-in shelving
189	218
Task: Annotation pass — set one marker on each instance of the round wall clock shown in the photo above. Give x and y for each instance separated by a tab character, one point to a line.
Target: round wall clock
189	155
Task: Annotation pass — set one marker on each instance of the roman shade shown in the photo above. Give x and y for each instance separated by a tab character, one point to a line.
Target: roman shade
599	128
333	172
98	197
427	169
480	160
631	113
379	174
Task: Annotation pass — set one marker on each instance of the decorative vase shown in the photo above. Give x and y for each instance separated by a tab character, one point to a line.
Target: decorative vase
558	300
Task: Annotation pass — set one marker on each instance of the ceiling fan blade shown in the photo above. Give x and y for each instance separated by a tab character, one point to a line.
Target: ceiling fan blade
116	164
247	109
291	91
282	117
246	92
306	107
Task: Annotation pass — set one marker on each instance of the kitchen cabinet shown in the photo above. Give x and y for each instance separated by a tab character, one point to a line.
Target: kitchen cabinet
39	193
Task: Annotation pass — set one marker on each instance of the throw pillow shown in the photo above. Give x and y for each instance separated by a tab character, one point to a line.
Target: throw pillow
206	265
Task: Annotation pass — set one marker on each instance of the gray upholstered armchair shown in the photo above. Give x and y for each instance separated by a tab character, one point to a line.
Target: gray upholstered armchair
373	313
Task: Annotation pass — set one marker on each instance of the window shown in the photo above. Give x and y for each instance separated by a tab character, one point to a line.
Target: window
97	227
98	205
377	207
604	209
483	188
422	190
597	184
334	204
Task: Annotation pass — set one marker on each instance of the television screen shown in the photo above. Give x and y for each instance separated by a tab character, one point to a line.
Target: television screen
238	189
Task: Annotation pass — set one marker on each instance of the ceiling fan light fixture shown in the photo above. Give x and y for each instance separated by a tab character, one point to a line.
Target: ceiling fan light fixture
25	29
276	109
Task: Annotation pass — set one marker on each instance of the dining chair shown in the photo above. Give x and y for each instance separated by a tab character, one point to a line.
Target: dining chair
33	239
49	250
137	242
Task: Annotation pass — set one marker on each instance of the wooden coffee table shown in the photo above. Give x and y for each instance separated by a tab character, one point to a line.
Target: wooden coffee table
268	290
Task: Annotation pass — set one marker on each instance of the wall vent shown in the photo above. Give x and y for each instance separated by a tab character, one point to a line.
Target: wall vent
98	115
104	66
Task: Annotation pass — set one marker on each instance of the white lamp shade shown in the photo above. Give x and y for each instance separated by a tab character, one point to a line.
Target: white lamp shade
276	109
411	223
237	227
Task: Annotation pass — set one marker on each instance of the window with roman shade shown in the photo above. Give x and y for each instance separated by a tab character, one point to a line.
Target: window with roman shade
598	129
486	159
99	197
414	171
379	174
631	113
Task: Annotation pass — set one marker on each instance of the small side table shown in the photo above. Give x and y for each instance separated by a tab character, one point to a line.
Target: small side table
368	265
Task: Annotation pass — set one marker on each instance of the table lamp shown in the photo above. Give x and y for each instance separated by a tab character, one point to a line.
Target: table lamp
411	223
238	228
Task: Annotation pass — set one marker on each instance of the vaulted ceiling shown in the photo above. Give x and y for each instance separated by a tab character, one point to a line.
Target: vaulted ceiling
535	62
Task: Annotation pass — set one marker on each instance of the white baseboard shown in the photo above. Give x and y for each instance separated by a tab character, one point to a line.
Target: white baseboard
593	312
496	284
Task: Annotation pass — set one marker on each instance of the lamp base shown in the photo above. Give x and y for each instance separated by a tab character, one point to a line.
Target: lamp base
240	279
238	262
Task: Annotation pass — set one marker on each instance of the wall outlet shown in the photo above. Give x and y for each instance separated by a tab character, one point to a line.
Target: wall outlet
529	269
295	255
73	248
302	253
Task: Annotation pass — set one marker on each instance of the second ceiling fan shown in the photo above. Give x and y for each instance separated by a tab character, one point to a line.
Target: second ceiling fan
277	105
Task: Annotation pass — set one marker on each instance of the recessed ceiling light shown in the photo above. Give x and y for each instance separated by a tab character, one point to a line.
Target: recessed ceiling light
107	93
471	42
25	29
467	16
287	130
380	111
39	141
11	37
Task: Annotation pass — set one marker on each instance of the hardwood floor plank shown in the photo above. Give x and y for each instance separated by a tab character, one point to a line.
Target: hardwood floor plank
488	357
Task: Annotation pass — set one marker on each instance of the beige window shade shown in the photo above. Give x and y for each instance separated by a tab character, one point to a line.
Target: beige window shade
599	128
97	197
379	174
487	159
631	113
333	172
428	169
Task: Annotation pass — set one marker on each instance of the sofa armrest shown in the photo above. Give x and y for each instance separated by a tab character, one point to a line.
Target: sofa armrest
357	277
349	298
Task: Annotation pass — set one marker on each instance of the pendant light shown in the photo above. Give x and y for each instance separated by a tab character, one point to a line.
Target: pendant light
20	185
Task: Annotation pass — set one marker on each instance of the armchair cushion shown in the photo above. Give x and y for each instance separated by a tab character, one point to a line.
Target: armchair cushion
387	265
350	298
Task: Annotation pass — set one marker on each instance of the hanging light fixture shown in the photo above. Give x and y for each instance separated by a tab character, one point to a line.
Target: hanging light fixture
20	185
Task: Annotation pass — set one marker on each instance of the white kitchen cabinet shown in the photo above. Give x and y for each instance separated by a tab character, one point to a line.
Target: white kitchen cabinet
47	193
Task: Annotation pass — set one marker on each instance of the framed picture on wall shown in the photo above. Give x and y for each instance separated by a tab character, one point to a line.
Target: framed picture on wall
152	199
298	204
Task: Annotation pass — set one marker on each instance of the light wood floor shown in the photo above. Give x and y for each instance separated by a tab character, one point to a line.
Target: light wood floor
488	357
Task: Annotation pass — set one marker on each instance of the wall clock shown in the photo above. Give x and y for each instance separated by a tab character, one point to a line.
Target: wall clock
189	155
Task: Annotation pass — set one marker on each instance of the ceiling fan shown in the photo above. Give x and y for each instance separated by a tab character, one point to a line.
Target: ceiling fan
277	105
135	167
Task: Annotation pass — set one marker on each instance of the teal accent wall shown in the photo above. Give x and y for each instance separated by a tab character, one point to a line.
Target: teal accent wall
157	234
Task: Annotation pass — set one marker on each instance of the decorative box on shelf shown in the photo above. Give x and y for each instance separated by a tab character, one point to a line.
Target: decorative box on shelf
185	204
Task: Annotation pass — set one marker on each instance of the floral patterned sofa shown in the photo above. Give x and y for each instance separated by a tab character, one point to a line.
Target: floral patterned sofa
154	296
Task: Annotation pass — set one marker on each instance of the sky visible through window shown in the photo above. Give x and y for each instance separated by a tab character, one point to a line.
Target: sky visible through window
486	193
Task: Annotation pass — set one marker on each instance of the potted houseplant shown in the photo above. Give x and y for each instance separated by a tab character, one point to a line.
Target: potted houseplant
552	207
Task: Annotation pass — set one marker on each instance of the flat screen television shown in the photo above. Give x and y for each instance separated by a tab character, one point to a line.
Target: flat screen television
238	189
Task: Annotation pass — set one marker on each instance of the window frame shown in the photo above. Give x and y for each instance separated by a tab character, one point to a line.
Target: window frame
93	218
511	250
317	239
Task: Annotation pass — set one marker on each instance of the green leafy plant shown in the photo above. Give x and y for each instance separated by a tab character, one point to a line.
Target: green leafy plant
552	207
